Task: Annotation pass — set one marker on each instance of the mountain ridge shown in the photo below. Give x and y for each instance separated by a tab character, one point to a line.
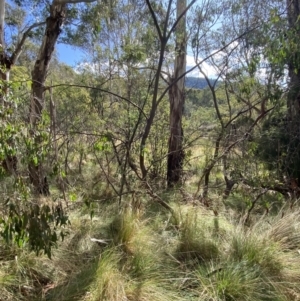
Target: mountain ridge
197	82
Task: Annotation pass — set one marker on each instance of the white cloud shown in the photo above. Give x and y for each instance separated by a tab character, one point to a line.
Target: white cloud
209	70
103	68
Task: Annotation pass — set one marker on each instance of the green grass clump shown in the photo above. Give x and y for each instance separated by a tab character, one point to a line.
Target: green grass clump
124	228
285	230
7	283
246	245
109	282
232	282
155	289
188	255
196	241
266	248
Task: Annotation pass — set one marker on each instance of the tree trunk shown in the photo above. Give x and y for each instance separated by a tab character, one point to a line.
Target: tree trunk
39	73
293	99
5	62
293	7
2	20
177	97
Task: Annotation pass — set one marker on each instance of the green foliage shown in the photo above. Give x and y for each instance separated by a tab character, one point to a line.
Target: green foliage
200	97
94	153
283	43
28	224
36	226
194	242
279	150
103	144
133	53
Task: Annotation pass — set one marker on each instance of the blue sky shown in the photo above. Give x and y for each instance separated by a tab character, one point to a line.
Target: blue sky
69	55
73	56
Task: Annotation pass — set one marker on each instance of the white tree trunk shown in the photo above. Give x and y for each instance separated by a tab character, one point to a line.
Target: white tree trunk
177	99
2	18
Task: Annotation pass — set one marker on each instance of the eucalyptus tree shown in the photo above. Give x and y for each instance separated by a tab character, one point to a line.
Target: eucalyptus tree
131	55
14	18
177	97
14	33
175	85
47	15
58	13
292	56
21	220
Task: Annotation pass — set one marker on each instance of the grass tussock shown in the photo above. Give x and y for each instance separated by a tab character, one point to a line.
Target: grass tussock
109	282
196	240
124	229
232	281
153	256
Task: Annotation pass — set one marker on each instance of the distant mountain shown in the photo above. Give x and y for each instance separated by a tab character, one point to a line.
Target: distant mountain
196	82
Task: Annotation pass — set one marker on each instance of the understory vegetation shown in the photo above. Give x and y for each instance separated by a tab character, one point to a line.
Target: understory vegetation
145	253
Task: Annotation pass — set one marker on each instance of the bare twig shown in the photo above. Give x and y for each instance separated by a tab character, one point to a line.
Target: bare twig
20	45
253	203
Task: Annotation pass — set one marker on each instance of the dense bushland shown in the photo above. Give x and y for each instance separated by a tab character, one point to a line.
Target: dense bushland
125	177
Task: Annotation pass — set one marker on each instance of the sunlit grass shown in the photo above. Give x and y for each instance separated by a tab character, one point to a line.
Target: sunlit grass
155	256
109	282
232	281
196	241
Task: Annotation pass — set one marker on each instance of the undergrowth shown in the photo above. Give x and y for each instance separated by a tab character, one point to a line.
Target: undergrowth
144	255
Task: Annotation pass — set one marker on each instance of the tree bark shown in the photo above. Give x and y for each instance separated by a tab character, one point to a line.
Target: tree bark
293	98
53	28
293	8
5	61
2	18
177	99
54	23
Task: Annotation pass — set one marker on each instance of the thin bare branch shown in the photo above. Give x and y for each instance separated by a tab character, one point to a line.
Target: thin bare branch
253	203
167	21
217	157
154	19
198	64
20	45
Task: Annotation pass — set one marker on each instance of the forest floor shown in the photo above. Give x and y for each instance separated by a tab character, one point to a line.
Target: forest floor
143	253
